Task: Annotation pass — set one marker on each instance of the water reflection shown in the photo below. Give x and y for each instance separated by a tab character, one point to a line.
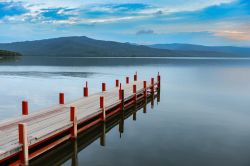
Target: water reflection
70	149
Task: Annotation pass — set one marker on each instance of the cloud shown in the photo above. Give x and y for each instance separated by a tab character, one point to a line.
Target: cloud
234	35
145	32
11	9
57	13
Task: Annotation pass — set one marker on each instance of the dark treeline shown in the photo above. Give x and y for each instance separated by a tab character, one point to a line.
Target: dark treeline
4	53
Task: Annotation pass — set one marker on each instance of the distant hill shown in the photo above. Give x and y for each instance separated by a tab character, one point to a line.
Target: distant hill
236	51
87	47
4	53
83	47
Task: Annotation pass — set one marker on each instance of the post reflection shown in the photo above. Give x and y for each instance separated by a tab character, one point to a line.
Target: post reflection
152	101
103	135
75	153
121	123
158	96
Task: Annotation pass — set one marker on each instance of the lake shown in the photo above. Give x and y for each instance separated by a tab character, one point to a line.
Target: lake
203	117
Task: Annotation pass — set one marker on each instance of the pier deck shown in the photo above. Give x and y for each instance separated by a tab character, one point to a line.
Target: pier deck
49	123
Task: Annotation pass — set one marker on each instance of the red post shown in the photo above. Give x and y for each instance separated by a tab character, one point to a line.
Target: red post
120	92
134	88
134	91
73	119
85	90
103	87
127	80
61	98
122	99
158	81
145	88
23	140
102	108
135	77
25	108
152	85
116	83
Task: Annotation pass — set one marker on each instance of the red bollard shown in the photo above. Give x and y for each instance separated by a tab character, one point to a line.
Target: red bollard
102	108
144	84
23	140
158	81
127	80
85	93
25	108
120	94
101	101
152	85
135	77
73	119
103	87
85	90
61	98
134	88
145	88
117	83
120	86
134	91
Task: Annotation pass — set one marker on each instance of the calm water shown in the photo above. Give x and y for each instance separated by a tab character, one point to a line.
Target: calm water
203	117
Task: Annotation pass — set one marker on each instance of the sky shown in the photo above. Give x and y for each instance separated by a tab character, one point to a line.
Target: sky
205	22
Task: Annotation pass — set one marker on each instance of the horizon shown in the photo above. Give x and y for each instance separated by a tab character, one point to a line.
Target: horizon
210	23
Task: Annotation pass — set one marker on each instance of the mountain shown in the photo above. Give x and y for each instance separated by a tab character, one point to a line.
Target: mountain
237	51
83	47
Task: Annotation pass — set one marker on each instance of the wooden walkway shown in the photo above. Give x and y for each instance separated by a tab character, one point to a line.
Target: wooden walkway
51	122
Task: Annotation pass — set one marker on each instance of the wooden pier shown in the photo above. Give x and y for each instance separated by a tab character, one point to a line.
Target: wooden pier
27	137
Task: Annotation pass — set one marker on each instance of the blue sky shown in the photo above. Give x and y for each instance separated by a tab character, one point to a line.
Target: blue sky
206	22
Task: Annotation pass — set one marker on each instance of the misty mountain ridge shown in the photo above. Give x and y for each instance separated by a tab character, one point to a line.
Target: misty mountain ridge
240	51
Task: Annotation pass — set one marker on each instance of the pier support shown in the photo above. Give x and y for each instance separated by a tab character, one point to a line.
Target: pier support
23	140
61	98
25	108
73	119
103	87
85	90
102	107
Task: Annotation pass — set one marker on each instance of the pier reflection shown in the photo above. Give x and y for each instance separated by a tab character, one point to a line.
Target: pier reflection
70	149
